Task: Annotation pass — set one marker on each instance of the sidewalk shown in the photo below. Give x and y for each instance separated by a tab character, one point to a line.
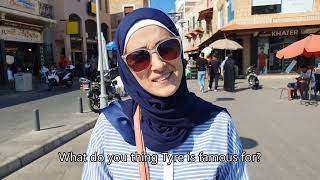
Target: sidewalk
49	166
18	152
36	86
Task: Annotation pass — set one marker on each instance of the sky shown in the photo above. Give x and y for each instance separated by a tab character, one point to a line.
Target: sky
164	5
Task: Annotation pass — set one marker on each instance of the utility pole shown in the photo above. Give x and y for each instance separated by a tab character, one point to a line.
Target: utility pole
103	95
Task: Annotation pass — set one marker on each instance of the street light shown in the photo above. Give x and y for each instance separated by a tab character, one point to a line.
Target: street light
103	95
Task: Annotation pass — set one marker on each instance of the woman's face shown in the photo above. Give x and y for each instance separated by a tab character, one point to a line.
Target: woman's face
161	78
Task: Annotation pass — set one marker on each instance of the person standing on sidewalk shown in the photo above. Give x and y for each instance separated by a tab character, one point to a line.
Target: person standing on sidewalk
201	64
213	70
10	77
162	117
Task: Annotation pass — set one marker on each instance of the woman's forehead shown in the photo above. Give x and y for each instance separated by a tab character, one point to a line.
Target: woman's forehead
146	36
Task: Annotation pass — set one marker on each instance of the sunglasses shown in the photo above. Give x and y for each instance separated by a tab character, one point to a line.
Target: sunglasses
167	49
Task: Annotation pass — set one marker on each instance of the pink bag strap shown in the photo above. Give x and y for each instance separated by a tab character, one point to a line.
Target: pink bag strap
143	166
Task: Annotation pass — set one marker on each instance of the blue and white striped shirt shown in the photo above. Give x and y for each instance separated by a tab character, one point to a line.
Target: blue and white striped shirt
216	137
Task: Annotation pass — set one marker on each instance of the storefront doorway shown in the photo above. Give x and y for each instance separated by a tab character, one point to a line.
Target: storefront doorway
26	56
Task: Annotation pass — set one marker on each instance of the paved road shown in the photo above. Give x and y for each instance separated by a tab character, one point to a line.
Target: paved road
286	134
17	110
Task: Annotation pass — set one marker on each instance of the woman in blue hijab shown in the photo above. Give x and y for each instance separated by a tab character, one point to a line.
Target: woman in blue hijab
164	131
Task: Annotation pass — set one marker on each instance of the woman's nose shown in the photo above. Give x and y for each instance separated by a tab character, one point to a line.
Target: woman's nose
156	63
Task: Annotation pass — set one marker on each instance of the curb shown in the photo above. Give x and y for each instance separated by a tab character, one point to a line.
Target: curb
26	157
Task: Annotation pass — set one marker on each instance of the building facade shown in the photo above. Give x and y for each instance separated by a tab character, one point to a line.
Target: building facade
75	33
120	8
24	27
262	28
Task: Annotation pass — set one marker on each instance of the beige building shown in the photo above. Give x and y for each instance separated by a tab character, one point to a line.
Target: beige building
120	8
261	27
23	34
75	33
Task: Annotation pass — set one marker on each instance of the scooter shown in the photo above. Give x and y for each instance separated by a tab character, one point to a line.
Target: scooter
61	78
93	89
252	78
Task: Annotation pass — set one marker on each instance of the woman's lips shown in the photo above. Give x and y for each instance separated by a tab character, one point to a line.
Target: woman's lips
163	78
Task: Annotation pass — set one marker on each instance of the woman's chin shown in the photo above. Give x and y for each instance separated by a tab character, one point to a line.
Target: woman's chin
164	91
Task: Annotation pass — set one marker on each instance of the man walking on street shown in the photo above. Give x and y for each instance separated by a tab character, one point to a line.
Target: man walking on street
201	66
213	70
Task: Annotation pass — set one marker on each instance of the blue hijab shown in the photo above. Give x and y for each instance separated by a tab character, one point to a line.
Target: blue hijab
166	122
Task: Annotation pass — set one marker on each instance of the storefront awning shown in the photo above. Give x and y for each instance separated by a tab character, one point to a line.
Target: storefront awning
237	27
205	14
192	49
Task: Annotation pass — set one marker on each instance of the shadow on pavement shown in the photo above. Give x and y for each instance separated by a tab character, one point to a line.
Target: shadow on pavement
225	99
52	127
23	97
241	89
248	143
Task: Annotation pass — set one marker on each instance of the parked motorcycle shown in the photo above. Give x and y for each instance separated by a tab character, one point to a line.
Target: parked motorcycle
93	89
252	78
61	77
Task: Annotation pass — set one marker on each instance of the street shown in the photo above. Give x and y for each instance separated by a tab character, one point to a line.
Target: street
284	132
17	110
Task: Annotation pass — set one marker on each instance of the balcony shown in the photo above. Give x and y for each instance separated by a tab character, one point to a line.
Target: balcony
46	10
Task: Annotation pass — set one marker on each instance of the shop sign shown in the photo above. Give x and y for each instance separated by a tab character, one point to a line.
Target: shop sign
20	35
285	33
30	6
91	8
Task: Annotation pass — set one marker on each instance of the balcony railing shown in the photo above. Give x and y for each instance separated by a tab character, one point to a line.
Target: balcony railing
46	10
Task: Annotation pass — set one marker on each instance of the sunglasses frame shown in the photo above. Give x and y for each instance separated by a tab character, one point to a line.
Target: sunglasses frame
154	50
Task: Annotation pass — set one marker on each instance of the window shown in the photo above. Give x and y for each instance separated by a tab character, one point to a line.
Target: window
230	10
107	6
127	10
199	24
193	22
294	6
221	18
208	26
265	7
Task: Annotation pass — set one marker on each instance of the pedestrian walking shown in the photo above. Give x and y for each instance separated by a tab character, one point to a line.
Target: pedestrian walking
201	64
162	117
10	77
229	74
213	71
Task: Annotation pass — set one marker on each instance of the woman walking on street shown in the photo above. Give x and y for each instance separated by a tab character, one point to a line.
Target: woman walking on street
229	74
162	117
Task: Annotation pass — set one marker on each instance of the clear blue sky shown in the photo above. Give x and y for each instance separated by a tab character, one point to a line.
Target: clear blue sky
164	5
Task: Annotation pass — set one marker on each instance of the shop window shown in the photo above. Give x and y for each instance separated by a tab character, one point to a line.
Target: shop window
127	10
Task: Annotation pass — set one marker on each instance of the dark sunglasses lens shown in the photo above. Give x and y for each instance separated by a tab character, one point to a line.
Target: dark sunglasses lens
138	60
170	49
